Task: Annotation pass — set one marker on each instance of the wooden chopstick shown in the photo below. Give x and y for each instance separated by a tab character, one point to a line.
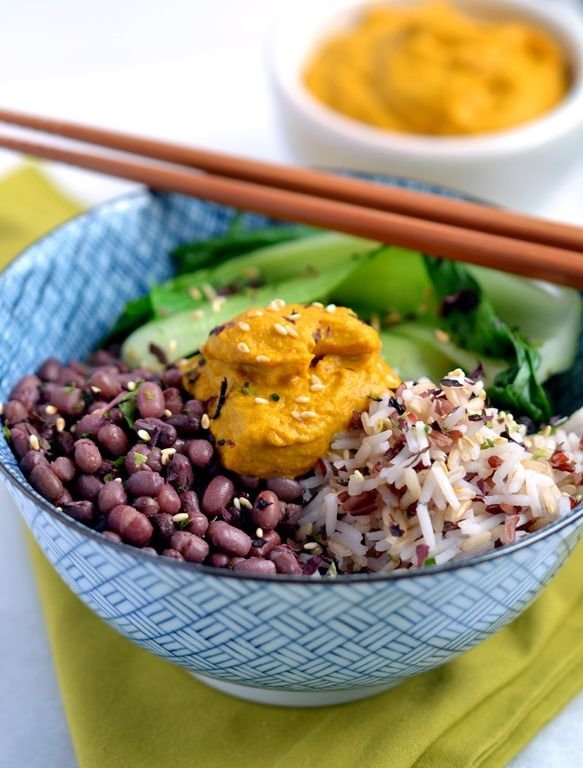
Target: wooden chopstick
391	199
511	255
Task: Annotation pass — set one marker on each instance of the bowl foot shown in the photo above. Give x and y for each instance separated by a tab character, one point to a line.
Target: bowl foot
282	698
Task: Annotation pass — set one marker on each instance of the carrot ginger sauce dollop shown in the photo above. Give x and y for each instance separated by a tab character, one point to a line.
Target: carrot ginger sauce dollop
282	381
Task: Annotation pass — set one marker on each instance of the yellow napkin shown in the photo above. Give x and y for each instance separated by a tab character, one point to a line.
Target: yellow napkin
29	206
126	708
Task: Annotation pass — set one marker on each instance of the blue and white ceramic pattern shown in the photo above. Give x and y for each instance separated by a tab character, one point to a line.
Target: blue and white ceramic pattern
280	640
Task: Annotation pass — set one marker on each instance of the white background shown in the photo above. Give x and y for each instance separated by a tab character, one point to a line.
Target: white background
190	71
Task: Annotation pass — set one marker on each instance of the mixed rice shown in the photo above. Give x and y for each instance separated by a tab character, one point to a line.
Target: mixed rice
433	474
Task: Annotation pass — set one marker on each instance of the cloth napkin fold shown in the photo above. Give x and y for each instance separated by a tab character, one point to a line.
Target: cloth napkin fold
127	708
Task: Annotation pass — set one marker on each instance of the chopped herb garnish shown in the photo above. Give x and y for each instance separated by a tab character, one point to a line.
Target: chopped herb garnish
489	443
139	459
247	389
6	432
429	562
129	409
119	462
70	388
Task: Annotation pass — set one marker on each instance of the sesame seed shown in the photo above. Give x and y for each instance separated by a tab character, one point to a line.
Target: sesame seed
143	435
331	308
242	347
237	503
291	331
205	421
95	390
60	424
302	399
245	502
33	442
198	314
244	326
309	414
131	385
441	335
167	412
208	291
255	313
216	304
263	359
172	344
195	293
51	410
315	379
180	517
276	304
310	545
281	329
318	304
259	533
261	401
317	388
296	415
167	453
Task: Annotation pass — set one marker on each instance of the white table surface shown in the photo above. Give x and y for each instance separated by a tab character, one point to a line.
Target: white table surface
189	71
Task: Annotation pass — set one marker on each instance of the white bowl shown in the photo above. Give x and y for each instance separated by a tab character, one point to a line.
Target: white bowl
515	167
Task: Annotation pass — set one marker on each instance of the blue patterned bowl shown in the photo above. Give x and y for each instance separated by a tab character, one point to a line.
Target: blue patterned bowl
278	640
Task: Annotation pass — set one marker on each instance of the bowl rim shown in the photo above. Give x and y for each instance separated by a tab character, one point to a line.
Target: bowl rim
139	197
563	118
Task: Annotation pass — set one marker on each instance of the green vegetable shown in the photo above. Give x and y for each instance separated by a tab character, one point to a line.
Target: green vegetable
429	562
472	322
199	253
182	334
396	280
261	267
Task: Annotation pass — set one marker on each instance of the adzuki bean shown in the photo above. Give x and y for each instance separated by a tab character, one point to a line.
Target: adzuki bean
87	456
132	526
145	483
200	453
255	565
191	547
44	480
231	540
218	493
266	512
113	439
168	499
63	468
111	495
150	400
